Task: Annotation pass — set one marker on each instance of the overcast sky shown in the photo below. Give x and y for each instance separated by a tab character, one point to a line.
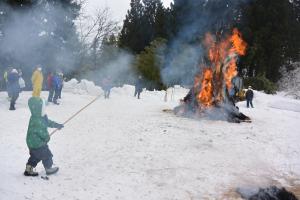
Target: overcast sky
118	7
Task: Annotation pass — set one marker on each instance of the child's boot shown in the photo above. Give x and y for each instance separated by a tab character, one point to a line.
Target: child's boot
12	106
51	170
29	171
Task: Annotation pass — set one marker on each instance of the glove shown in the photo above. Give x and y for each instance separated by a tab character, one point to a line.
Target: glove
59	126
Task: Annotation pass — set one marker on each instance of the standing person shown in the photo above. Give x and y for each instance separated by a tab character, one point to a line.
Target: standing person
138	87
106	84
249	96
20	72
61	77
5	77
13	87
37	81
50	86
38	137
21	80
56	82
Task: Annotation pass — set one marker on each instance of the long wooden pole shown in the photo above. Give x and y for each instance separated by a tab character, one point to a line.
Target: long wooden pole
76	114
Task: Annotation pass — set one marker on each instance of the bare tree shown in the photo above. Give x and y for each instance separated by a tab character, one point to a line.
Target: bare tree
94	28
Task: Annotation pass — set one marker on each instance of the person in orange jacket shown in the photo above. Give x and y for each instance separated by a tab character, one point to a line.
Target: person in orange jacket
37	81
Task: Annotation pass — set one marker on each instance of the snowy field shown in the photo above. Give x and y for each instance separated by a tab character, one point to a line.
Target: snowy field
128	149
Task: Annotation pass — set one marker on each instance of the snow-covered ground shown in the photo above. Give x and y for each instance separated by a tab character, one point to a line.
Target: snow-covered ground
128	149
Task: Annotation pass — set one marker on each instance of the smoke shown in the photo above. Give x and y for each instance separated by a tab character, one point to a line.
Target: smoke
117	67
40	34
195	18
182	64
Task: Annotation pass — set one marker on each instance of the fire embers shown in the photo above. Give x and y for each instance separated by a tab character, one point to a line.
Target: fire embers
221	68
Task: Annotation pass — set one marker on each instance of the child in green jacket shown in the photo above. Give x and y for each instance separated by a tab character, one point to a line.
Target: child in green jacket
38	137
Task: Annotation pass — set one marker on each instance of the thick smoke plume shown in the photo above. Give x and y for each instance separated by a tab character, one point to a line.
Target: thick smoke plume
197	18
43	34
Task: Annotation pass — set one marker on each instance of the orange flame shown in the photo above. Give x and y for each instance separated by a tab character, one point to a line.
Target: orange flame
223	57
239	45
230	73
206	94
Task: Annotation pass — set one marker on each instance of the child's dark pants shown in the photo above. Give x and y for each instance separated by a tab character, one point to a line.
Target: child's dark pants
41	154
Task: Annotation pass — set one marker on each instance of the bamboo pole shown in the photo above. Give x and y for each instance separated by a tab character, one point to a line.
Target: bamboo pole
69	119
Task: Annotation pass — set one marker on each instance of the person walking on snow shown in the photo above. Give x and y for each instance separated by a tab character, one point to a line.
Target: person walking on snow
249	96
138	87
37	81
107	85
38	137
13	88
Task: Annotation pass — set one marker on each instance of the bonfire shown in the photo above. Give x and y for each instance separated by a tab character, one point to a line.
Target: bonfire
213	92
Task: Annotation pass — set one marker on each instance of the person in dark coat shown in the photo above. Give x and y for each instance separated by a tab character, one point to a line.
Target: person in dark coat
13	87
56	81
249	96
5	77
138	87
50	87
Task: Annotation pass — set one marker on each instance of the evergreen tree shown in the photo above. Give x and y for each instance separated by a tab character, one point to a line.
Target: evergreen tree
161	23
149	63
131	33
144	22
271	29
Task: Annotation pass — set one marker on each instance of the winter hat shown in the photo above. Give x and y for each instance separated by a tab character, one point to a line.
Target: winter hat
35	105
14	71
39	67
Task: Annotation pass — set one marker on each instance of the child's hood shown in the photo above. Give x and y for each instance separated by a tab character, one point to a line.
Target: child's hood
36	105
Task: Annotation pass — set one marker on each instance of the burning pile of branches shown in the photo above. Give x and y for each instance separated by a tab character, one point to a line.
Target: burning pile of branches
213	91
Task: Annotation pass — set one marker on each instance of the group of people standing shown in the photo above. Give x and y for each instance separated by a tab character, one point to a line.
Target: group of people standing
55	84
15	84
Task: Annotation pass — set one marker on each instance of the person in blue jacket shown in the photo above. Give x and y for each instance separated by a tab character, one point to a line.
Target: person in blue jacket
57	84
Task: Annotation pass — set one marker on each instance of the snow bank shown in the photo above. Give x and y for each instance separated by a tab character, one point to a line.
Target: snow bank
82	87
125	90
89	88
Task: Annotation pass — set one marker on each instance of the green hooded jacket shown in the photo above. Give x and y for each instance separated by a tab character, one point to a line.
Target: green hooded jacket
37	133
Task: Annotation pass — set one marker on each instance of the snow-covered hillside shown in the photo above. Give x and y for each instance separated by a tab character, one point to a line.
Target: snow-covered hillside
128	149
